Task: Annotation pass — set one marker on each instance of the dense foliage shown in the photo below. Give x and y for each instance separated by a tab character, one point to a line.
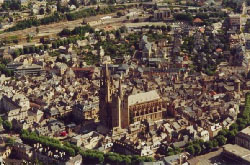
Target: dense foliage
7	125
89	156
233	4
32	138
80	30
207	18
96	157
184	17
12	5
3	68
211	17
244	117
173	151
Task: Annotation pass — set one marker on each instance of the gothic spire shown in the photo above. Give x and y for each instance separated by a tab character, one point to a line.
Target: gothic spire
120	87
106	72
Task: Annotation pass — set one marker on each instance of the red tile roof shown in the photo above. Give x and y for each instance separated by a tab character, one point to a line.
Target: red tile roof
197	20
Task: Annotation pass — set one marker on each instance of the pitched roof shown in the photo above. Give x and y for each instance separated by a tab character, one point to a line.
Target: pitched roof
143	97
197	20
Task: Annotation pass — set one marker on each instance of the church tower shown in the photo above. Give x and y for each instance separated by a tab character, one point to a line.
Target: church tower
105	97
117	106
111	101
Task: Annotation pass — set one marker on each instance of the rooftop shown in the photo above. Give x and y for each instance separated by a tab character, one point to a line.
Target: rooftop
246	131
237	151
247	36
143	97
197	20
234	15
33	66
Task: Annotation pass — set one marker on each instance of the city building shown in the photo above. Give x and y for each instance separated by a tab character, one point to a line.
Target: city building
86	112
13	65
243	138
14	108
162	14
33	69
235	21
247	41
237	154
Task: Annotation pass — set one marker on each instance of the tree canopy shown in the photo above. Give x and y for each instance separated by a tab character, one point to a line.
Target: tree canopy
7	125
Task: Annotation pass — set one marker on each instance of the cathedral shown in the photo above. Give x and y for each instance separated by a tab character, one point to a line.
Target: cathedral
120	107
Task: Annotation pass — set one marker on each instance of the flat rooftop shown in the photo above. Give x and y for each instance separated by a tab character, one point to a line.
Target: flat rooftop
234	15
143	97
247	36
32	66
237	151
246	131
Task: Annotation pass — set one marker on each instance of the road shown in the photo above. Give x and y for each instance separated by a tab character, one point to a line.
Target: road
105	5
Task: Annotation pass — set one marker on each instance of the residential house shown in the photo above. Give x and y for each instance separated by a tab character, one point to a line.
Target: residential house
86	112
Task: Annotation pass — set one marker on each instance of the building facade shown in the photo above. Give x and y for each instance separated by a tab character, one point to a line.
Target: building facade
15	108
247	41
33	69
235	22
87	112
162	14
